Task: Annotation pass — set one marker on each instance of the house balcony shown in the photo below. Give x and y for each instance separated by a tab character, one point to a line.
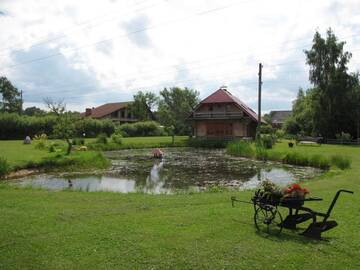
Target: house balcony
218	115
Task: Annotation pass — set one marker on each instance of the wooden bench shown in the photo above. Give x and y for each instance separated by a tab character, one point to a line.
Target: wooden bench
309	141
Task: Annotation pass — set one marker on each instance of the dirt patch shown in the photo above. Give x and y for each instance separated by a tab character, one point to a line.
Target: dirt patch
22	173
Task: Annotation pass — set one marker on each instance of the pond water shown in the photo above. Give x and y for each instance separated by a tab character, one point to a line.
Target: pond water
180	169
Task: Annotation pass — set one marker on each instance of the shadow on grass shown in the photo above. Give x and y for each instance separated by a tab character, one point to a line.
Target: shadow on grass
286	235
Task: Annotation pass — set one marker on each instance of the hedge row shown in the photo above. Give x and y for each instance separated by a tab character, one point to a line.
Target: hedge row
14	126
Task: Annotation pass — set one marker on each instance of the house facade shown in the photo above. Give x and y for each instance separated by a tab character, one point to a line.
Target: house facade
118	112
222	115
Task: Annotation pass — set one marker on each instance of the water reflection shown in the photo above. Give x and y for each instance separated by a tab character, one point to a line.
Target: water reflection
182	169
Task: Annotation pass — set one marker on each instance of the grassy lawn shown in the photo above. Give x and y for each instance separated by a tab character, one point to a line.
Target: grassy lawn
18	154
77	230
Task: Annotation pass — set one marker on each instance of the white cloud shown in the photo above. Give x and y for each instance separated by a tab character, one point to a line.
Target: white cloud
105	56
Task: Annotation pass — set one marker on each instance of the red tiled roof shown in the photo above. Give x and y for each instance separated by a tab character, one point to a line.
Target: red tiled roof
224	96
106	109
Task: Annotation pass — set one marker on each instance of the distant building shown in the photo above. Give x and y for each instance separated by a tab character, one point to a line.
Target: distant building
117	112
278	118
222	115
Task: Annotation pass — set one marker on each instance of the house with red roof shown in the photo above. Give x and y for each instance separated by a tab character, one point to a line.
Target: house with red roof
118	112
222	115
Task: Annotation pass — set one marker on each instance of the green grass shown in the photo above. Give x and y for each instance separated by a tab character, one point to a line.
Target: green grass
19	155
76	230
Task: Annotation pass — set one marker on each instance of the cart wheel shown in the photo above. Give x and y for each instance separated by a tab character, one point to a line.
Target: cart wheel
268	220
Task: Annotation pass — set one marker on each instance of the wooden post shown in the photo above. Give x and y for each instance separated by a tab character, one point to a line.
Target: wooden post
259	98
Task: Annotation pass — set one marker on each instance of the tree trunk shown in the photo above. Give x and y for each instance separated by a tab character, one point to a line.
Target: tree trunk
68	151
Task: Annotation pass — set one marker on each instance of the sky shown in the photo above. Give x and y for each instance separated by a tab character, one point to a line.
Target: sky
88	53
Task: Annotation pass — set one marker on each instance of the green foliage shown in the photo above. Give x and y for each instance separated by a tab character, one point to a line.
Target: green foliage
342	162
280	134
146	128
4	167
267	129
11	98
116	138
345	137
266	141
40	141
143	105
175	106
78	141
34	111
102	138
15	126
207	143
240	148
332	106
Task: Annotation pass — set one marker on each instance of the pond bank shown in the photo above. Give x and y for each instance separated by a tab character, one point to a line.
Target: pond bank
181	170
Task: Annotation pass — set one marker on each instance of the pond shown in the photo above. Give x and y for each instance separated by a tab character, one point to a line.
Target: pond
182	169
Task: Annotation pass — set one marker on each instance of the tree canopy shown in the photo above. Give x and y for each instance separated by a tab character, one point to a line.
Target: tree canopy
11	97
329	107
144	105
175	106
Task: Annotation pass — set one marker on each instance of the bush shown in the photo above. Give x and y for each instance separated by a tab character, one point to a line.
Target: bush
240	148
345	137
116	138
4	167
15	126
146	128
279	133
40	141
266	141
266	129
341	162
78	141
102	138
207	143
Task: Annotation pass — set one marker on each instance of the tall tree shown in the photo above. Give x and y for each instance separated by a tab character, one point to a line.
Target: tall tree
65	125
175	106
333	85
144	105
11	97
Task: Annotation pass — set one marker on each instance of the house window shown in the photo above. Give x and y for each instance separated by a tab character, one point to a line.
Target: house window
129	115
123	114
211	107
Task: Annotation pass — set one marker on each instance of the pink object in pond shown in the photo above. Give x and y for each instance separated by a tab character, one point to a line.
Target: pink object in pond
157	153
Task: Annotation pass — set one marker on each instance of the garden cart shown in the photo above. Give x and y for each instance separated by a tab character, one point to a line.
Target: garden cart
268	219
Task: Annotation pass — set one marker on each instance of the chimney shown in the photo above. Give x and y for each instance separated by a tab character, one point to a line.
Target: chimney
224	87
88	112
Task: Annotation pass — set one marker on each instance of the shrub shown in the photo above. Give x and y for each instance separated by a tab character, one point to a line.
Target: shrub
116	138
266	141
344	137
341	162
15	126
4	167
52	148
240	148
207	143
78	141
102	138
146	128
279	133
40	141
266	129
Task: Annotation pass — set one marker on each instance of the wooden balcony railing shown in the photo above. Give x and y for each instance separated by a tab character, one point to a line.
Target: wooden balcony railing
218	115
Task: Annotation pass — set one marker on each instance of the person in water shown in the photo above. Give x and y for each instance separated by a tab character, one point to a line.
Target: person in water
157	153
